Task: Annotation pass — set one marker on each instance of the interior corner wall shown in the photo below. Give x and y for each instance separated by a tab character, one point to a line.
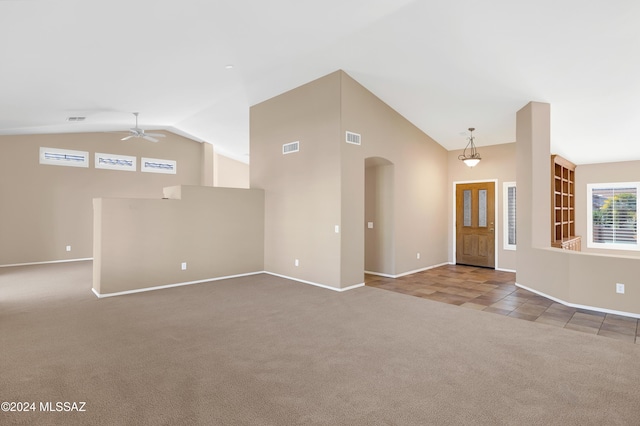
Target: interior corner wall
45	208
208	161
578	278
230	173
302	189
498	163
419	184
543	271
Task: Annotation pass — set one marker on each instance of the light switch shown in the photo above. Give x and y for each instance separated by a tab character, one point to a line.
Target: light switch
370	225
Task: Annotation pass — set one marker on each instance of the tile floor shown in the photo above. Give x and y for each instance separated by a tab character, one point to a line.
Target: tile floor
494	291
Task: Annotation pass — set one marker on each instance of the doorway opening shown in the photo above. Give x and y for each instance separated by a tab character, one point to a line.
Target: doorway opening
379	233
475	224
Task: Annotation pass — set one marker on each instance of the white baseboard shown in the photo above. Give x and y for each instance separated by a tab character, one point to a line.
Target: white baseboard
506	270
160	287
379	274
47	262
406	273
315	284
574	305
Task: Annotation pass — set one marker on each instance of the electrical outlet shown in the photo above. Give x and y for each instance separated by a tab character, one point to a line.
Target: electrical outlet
183	266
418	256
337	229
297	262
370	225
619	288
68	248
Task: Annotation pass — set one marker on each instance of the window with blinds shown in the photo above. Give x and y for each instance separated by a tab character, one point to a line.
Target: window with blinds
509	216
613	215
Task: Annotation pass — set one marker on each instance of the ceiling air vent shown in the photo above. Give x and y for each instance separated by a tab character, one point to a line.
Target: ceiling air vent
353	138
291	147
76	118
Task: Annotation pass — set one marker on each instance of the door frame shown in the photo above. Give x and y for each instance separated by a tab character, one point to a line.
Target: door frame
496	213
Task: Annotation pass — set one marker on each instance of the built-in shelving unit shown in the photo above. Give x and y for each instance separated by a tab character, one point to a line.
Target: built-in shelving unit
563	212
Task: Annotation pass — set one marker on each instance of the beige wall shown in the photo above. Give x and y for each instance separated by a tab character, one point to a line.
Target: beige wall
141	243
498	163
302	190
627	171
208	159
419	184
580	278
230	173
44	208
308	193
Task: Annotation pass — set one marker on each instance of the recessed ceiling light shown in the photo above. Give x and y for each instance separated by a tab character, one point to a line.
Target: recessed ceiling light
76	118
229	66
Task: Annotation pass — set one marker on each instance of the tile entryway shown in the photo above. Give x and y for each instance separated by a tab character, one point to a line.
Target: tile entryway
495	291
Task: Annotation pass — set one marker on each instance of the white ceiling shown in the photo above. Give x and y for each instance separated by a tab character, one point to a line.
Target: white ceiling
445	66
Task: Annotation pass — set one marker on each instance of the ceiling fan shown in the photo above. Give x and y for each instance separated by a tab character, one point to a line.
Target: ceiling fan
137	132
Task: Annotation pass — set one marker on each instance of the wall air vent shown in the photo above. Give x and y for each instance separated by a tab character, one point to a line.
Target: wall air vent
291	147
64	157
353	138
76	118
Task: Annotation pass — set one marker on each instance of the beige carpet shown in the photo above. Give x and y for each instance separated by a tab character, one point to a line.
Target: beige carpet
262	350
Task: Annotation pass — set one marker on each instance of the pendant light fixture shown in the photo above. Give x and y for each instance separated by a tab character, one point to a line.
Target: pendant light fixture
470	155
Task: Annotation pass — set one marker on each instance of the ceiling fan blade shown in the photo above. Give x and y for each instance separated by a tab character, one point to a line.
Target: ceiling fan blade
149	138
126	138
157	135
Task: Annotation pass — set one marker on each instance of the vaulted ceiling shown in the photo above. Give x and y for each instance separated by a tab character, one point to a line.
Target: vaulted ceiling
196	66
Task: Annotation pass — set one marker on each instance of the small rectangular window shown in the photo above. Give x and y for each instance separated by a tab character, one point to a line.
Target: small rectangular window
509	215
612	215
115	162
155	165
64	157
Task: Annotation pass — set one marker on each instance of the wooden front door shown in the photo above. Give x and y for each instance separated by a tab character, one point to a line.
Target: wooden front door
475	224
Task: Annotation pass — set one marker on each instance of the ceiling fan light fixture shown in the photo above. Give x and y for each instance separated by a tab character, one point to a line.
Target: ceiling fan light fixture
137	132
470	156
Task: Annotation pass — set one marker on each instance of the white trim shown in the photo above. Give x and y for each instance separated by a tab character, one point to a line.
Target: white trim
505	270
160	287
495	212
379	274
574	305
415	271
315	284
47	262
505	216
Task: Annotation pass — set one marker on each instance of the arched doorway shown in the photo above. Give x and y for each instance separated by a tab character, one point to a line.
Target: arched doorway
379	217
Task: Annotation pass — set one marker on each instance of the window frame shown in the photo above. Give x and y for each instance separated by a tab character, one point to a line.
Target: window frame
609	246
81	157
505	216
